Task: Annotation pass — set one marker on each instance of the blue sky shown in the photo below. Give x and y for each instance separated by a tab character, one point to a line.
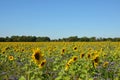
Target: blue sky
60	18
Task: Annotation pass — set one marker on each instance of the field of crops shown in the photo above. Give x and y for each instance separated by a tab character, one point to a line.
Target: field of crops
60	61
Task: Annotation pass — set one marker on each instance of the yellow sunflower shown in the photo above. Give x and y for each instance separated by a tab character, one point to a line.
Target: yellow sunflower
96	58
70	61
95	64
88	55
67	67
74	58
37	56
105	64
43	62
75	48
82	55
63	51
11	58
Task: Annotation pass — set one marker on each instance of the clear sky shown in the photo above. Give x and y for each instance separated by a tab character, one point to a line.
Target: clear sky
60	18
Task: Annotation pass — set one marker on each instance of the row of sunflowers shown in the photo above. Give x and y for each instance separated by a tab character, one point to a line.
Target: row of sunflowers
59	61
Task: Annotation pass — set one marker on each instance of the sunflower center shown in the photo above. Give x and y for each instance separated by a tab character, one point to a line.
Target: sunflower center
75	48
88	55
42	63
82	55
96	59
37	56
75	59
63	50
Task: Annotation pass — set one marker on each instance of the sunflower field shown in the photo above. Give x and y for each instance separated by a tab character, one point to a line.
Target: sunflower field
59	60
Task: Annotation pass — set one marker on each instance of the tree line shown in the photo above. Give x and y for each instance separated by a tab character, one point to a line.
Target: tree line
47	39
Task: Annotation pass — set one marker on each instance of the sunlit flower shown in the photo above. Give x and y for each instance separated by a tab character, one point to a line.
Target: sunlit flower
96	58
88	55
37	56
75	48
95	64
63	51
3	52
66	67
74	58
90	49
105	64
43	62
82	55
70	61
11	58
22	50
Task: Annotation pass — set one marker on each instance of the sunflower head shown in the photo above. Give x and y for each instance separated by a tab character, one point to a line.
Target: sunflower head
88	55
105	64
11	58
75	48
96	58
95	65
74	58
63	51
66	67
37	56
43	62
89	49
82	55
3	52
70	61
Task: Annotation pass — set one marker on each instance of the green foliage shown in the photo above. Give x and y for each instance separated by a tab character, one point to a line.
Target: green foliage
47	39
22	67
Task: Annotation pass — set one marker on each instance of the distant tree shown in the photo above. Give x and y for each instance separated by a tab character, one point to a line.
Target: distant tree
73	39
42	39
7	39
2	39
116	39
99	39
92	39
104	39
84	39
47	39
109	39
14	38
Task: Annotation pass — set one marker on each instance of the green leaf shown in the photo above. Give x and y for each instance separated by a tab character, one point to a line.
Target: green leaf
22	78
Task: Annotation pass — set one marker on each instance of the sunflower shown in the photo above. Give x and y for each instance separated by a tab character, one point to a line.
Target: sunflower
96	58
105	64
37	56
11	58
82	55
89	49
74	58
43	62
75	48
96	53
88	55
95	64
70	61
3	52
66	67
63	51
22	50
